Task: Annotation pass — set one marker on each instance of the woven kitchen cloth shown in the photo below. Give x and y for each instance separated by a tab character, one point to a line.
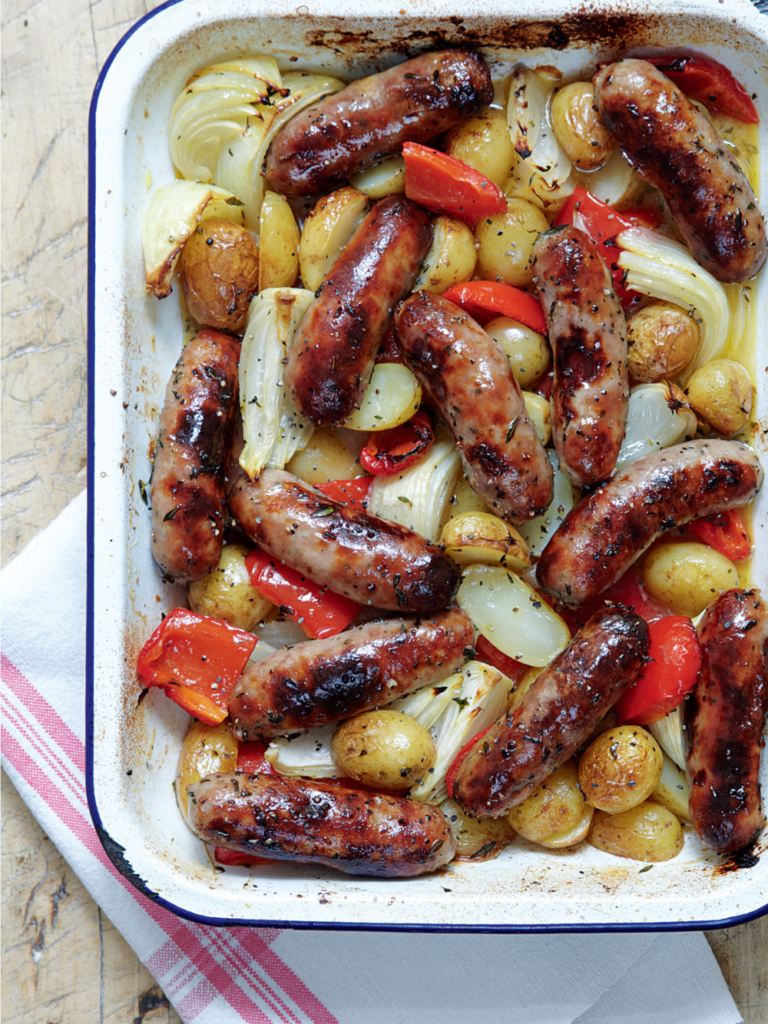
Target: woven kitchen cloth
255	975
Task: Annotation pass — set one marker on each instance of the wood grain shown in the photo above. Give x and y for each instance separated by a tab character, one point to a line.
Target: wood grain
63	960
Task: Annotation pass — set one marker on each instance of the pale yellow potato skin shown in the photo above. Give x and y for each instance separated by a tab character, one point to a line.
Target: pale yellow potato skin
529	353
506	241
579	128
687	576
472	835
620	769
227	594
325	458
278	243
720	392
328	228
450	259
484	142
571	836
662	340
383	749
648	832
220	271
206	749
556	806
482	537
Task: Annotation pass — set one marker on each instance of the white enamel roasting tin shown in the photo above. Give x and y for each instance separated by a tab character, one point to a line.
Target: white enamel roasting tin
133	343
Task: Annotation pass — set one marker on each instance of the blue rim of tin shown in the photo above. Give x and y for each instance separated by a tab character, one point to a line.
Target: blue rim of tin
114	851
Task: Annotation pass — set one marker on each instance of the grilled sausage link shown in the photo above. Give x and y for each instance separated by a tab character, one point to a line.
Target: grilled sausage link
368	559
323	681
373	117
588	333
335	345
607	531
724	719
320	823
469	377
556	715
191	451
675	148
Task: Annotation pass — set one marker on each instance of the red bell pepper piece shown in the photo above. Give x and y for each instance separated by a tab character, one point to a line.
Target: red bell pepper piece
353	493
318	611
710	83
602	224
388	452
440	182
236	859
725	532
251	759
675	662
485	651
197	660
485	300
453	771
627	590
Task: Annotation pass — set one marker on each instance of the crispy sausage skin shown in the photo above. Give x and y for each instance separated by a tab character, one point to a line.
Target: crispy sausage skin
373	117
323	681
556	715
607	531
335	345
370	560
588	333
469	377
190	455
675	148
724	719
320	823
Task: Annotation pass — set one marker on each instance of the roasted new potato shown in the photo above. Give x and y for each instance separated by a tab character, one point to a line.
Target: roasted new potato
687	576
571	836
329	226
555	807
483	141
325	458
505	242
483	537
206	749
385	178
528	352
450	258
384	749
227	594
278	243
648	832
579	127
393	395
672	790
540	412
464	499
620	769
476	838
220	271
720	392
662	339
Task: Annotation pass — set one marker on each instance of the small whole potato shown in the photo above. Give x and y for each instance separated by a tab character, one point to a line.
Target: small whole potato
555	806
220	271
476	838
226	593
579	128
482	537
662	339
648	832
450	258
483	141
383	749
720	392
506	241
206	749
529	353
385	178
324	458
620	769
687	576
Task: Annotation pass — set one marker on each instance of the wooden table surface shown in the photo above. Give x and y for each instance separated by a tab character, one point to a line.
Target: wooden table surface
63	960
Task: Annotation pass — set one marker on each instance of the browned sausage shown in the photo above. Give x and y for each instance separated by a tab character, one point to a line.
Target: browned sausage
675	148
335	345
319	823
190	453
368	559
469	377
724	719
588	334
556	715
607	531
373	117
323	681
